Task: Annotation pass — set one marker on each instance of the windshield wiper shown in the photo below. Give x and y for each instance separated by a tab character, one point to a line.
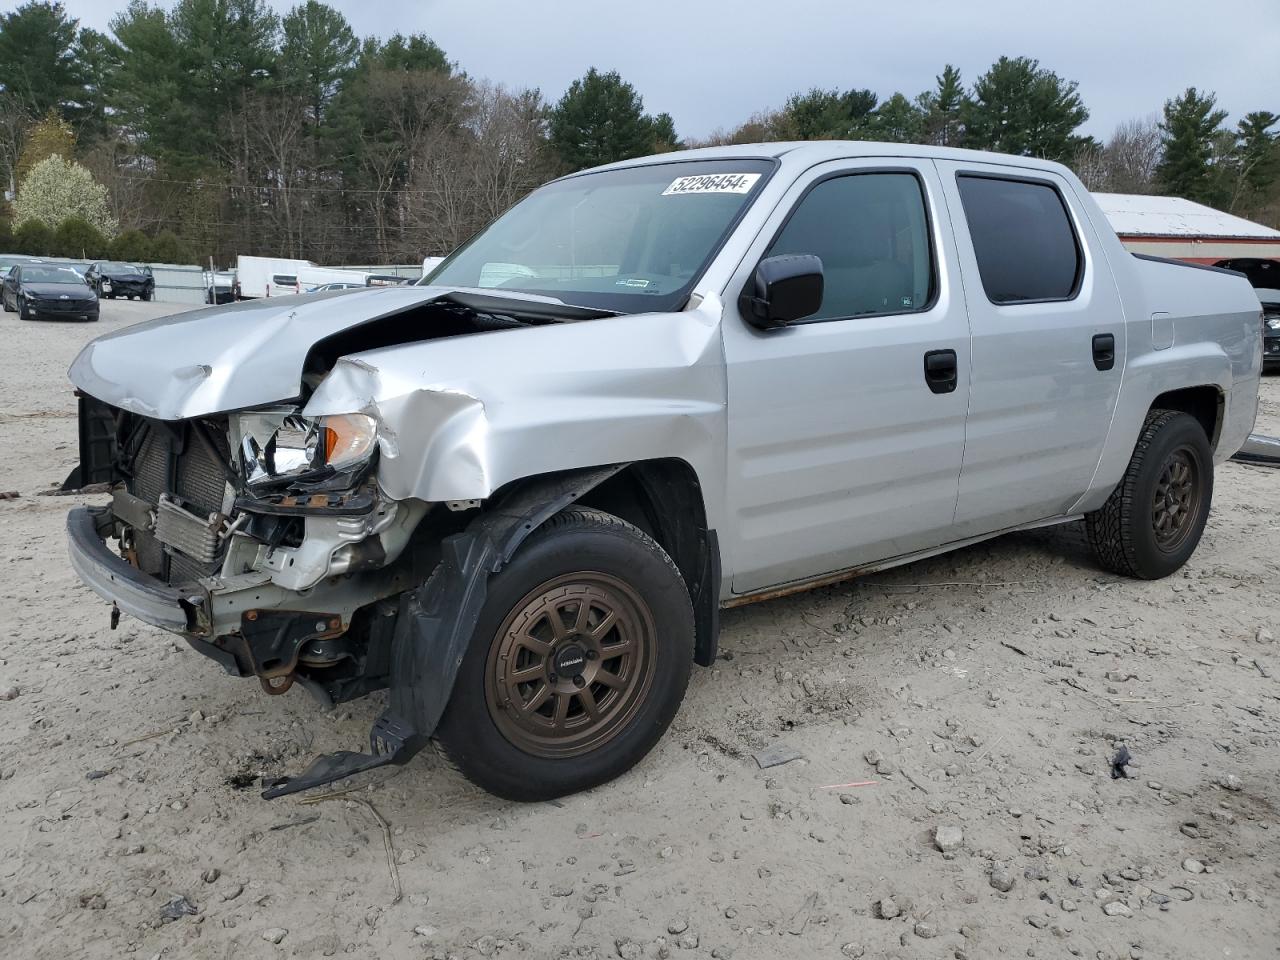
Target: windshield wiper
531	309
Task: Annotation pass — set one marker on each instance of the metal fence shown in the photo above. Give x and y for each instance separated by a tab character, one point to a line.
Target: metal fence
176	283
410	271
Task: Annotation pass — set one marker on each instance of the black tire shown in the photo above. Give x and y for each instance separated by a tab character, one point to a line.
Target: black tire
1131	533
146	296
571	549
23	312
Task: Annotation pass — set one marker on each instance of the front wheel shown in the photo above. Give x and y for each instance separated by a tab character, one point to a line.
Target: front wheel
578	663
24	313
1153	520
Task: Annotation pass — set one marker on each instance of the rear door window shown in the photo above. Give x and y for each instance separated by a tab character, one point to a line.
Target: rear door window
1023	240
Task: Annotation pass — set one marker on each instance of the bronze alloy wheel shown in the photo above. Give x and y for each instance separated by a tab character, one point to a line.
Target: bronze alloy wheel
1176	503
571	664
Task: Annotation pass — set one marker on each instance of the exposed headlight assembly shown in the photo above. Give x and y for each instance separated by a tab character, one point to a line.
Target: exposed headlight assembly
274	446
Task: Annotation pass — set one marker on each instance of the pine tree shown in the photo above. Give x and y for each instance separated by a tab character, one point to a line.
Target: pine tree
1190	129
38	62
601	119
1258	155
941	107
898	120
1022	108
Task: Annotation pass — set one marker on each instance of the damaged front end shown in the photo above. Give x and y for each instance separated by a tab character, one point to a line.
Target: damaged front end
269	546
261	537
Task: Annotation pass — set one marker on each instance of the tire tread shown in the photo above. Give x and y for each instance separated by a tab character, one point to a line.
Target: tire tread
1112	526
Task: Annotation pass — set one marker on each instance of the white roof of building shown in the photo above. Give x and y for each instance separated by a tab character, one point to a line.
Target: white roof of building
1134	215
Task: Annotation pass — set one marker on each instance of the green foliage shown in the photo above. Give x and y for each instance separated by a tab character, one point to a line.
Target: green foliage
318	52
6	233
182	72
941	107
1022	108
132	246
415	52
898	120
1190	130
55	190
38	61
831	115
34	238
1259	152
76	237
167	248
601	119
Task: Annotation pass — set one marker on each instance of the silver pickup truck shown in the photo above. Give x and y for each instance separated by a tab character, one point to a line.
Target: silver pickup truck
517	494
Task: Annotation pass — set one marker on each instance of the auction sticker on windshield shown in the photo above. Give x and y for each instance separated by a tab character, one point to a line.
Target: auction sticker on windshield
713	183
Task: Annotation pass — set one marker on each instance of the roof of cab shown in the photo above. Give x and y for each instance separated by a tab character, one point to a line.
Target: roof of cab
806	153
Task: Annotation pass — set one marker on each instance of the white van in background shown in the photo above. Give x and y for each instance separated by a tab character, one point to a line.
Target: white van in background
269	277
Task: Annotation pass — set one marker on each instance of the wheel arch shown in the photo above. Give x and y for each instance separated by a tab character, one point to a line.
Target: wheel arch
663	498
1206	403
435	623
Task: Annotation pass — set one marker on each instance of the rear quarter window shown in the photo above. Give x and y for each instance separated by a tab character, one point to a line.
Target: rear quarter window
1023	239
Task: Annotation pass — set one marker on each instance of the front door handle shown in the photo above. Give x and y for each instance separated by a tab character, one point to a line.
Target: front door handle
941	370
1104	351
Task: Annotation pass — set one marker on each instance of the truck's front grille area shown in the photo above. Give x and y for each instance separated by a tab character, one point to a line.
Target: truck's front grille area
171	458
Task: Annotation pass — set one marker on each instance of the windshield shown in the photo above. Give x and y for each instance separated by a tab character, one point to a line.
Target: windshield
632	240
110	267
49	275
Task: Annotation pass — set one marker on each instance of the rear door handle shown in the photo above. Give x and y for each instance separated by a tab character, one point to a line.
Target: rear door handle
940	370
1104	351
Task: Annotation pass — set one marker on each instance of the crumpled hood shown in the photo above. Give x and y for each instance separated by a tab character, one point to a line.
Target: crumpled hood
232	356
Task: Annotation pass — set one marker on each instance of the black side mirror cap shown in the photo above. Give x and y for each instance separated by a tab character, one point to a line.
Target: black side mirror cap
783	290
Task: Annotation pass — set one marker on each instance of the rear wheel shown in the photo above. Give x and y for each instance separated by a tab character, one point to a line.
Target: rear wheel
4	300
579	661
1153	520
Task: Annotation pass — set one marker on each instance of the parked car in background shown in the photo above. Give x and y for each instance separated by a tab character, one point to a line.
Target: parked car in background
8	261
703	379
219	286
112	279
344	285
41	291
1264	276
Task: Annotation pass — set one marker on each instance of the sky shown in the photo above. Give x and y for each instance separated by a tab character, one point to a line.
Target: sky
712	64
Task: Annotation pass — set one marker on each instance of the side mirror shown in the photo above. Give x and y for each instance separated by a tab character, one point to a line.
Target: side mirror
782	290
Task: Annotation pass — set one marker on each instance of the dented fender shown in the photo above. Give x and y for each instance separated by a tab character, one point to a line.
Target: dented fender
461	417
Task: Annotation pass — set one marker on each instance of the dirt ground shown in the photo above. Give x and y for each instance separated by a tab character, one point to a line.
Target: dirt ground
984	693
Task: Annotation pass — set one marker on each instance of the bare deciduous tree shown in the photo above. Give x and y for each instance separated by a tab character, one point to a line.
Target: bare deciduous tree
1127	162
